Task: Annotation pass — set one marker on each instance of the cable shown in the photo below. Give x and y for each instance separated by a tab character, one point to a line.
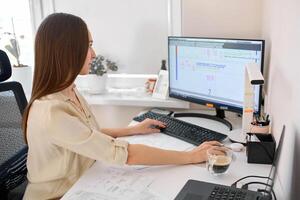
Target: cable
251	176
260	183
245	186
259	190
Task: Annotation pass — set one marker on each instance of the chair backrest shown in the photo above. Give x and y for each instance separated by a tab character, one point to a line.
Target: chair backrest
13	149
5	67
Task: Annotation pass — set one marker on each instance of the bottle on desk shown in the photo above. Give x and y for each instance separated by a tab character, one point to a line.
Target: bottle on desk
163	65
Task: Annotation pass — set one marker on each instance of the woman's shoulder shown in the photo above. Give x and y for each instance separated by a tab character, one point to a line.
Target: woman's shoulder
51	103
48	101
45	110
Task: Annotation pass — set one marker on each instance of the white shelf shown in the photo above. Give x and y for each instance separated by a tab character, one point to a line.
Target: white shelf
128	90
140	99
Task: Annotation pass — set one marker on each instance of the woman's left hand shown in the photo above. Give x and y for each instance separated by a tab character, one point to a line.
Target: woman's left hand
148	126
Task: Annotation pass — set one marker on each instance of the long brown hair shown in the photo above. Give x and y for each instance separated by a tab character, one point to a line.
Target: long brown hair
61	46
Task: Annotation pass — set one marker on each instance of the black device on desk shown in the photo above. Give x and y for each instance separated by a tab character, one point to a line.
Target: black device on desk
199	190
183	130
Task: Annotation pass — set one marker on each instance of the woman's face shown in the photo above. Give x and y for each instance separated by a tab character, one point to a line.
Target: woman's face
89	57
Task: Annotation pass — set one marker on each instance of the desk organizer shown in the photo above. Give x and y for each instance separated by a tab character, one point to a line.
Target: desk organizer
262	129
262	151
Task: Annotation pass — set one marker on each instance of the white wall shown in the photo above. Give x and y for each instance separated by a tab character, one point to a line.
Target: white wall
281	28
133	32
219	18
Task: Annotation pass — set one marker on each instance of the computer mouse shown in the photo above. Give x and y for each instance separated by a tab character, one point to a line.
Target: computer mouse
236	147
158	127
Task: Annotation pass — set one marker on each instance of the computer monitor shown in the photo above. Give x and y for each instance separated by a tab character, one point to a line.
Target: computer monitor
211	71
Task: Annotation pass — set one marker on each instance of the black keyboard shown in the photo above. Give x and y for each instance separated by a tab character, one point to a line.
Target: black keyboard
220	193
183	130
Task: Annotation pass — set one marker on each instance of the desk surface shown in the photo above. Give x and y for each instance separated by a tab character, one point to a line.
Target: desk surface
164	182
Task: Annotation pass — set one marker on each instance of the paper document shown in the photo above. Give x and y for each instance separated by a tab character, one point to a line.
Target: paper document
112	183
144	195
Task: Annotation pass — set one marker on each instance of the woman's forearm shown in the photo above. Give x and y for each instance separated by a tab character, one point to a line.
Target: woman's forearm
139	154
144	127
118	132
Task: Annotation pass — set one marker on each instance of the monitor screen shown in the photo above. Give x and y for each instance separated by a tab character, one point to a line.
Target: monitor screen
211	71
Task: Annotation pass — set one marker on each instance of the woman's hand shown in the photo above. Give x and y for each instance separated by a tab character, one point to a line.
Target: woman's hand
148	126
199	154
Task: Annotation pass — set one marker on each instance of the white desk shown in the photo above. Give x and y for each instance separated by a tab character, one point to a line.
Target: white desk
166	181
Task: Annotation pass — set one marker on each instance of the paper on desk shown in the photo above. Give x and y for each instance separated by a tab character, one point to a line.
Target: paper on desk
112	183
144	195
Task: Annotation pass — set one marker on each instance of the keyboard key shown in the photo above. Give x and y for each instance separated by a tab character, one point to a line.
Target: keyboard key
227	193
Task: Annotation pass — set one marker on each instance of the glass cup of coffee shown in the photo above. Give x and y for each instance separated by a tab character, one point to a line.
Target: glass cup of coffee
219	159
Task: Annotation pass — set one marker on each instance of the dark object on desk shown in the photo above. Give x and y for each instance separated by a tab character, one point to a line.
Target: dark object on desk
13	149
163	65
183	130
262	151
198	190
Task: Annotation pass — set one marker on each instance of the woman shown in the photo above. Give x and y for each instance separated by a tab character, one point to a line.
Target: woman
63	136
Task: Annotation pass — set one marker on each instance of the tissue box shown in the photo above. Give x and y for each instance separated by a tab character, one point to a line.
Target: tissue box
262	151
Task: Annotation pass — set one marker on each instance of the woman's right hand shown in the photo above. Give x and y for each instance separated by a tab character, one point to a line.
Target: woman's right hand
199	154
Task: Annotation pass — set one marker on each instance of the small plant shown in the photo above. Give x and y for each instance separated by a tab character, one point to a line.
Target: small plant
101	65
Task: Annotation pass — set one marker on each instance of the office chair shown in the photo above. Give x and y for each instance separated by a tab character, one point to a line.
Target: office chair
13	149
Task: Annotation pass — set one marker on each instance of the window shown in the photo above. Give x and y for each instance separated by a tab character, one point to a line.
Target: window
15	25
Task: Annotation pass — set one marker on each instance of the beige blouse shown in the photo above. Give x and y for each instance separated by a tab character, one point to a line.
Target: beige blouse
63	143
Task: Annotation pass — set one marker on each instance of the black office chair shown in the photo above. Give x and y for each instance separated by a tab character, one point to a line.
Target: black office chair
13	149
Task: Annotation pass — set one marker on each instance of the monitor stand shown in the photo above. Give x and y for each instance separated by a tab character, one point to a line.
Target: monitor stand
220	115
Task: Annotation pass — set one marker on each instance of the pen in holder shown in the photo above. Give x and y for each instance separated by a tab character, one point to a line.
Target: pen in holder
260	126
